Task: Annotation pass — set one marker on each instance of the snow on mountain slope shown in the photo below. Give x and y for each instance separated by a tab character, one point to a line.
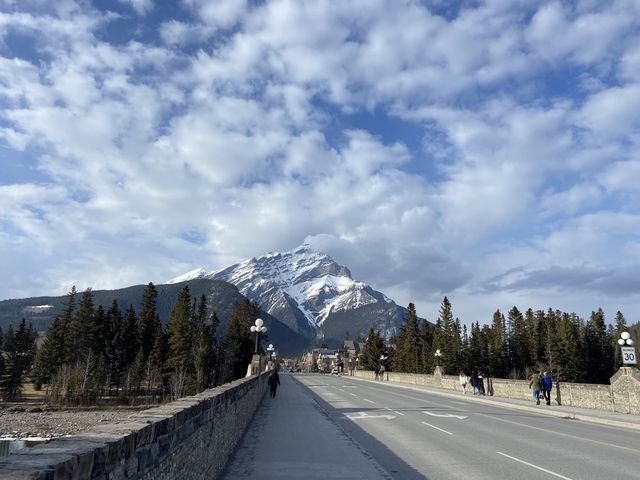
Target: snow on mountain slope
301	283
194	274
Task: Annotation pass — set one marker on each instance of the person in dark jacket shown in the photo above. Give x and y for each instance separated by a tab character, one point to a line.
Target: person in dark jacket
480	382
274	381
545	384
474	382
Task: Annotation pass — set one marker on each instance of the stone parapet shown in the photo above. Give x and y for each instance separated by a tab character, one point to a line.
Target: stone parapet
190	439
623	395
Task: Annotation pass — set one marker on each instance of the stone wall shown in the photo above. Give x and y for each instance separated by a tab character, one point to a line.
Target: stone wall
622	395
191	438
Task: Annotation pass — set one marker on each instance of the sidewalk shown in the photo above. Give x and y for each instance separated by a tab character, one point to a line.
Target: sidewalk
277	445
622	420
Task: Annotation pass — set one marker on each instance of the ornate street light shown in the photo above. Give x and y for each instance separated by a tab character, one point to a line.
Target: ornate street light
258	328
438	354
625	339
272	352
626	346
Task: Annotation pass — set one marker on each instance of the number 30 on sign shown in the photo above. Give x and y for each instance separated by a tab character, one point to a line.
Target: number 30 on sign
628	355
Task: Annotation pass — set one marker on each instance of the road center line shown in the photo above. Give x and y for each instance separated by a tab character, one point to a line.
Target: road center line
367	400
437	428
534	466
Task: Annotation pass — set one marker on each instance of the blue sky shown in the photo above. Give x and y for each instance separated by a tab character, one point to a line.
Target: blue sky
483	150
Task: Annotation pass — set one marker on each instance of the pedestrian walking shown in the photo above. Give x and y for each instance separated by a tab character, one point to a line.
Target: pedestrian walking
480	382
464	379
474	382
545	384
274	381
534	385
377	372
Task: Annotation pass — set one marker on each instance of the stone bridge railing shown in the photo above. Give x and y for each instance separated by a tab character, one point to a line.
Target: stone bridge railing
191	438
622	395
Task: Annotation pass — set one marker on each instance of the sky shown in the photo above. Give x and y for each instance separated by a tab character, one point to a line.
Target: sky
483	150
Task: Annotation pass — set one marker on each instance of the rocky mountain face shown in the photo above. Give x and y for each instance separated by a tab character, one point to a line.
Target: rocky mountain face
311	294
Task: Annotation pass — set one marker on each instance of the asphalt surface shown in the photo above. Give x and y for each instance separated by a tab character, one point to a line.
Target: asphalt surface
322	426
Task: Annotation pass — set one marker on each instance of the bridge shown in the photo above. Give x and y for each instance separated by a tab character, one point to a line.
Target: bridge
343	427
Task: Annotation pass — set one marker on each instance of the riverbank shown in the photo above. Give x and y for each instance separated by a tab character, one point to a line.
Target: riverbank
48	422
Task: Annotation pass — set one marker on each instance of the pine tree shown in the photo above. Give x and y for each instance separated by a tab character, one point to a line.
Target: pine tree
129	339
80	332
447	338
426	348
407	355
520	356
157	358
67	320
114	346
51	355
179	331
568	343
238	343
475	347
147	319
599	353
498	366
373	349
19	351
203	343
621	326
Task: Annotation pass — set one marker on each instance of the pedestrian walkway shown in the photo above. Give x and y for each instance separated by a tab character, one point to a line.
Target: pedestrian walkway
584	414
291	438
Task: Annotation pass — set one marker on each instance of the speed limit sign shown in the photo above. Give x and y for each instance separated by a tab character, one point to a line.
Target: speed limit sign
628	355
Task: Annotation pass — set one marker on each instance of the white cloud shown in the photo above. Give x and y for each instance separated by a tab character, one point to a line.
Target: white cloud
222	13
140	6
252	127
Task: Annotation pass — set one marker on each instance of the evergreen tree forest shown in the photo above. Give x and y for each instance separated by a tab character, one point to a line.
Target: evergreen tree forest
512	346
95	352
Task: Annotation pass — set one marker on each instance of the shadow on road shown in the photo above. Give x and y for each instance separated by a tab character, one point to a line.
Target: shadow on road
371	446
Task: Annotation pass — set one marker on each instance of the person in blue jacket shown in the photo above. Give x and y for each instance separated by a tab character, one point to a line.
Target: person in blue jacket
545	384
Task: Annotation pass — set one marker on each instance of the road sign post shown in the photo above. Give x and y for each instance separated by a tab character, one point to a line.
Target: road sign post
628	356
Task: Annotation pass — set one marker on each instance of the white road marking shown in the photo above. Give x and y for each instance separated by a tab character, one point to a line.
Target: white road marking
353	394
394	411
366	416
446	415
534	466
367	400
433	426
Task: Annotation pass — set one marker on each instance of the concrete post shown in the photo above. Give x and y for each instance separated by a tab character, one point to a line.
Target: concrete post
625	390
437	376
256	364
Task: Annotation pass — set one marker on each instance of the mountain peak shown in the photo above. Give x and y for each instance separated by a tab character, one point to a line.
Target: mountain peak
303	288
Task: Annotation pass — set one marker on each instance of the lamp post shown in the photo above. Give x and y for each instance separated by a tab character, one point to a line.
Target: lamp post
438	354
628	352
258	327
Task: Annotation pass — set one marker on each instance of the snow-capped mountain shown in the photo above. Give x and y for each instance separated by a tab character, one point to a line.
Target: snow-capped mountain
305	290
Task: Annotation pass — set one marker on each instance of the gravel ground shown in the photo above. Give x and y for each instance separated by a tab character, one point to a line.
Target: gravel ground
49	423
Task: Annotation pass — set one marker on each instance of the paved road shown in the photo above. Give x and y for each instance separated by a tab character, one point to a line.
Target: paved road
421	435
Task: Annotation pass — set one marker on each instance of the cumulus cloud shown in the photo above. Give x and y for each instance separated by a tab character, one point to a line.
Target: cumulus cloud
229	129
